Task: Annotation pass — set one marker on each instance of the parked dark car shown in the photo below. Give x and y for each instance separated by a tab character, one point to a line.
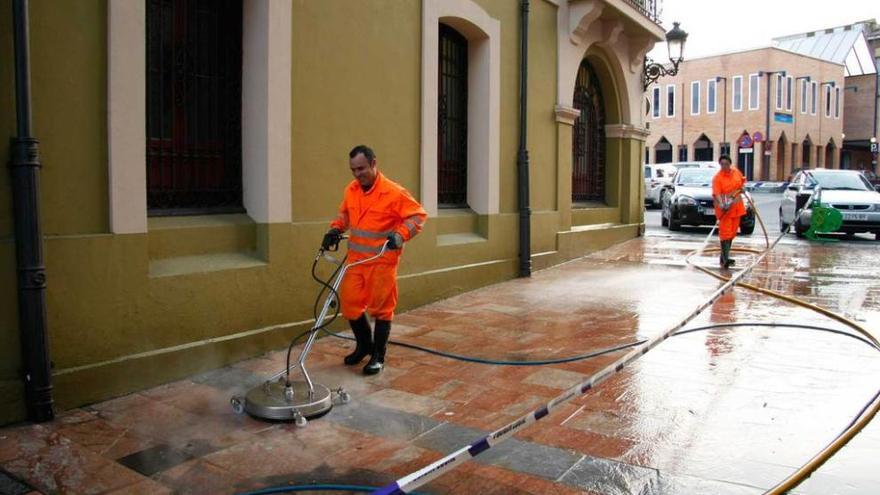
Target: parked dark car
691	203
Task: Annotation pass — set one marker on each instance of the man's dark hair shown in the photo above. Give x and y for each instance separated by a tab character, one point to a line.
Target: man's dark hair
366	150
725	157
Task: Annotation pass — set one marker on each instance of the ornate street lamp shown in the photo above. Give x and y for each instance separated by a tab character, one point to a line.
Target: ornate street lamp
675	40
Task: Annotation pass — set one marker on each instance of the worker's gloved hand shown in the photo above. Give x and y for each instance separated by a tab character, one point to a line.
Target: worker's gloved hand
395	241
331	239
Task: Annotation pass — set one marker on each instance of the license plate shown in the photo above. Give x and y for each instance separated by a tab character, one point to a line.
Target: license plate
709	211
856	216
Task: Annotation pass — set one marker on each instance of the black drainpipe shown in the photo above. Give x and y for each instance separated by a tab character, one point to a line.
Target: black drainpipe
522	157
25	166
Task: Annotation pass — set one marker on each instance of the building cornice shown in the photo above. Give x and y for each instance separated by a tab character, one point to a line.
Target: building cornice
626	131
566	115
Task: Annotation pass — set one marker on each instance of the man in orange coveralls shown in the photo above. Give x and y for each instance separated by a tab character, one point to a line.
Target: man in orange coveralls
376	210
727	188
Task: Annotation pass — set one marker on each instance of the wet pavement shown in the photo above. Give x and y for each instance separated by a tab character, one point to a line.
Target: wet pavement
728	410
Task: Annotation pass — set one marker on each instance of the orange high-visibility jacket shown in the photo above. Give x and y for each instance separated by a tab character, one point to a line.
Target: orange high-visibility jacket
727	182
374	215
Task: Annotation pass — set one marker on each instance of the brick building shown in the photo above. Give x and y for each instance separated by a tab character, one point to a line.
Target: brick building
794	101
857	46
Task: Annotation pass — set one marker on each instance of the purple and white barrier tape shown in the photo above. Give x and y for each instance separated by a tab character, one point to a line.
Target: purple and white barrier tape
414	480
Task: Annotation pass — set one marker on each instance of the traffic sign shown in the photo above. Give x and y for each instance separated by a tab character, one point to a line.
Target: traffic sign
745	141
745	151
757	136
873	147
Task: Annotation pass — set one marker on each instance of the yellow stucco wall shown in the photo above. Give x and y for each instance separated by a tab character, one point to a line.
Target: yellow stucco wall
116	325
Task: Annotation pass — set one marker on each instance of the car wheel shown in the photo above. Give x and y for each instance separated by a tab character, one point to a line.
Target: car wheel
663	221
673	223
799	232
782	225
877	236
747	229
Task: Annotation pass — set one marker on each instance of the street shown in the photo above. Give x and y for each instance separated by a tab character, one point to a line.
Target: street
768	208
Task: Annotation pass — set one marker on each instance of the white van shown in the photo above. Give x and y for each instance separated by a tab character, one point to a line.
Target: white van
657	175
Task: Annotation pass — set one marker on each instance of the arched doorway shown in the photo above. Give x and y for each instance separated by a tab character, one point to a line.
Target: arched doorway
588	142
745	158
806	150
830	151
703	149
663	151
781	150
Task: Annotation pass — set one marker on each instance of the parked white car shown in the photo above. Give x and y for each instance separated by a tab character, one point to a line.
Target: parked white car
657	176
694	164
844	190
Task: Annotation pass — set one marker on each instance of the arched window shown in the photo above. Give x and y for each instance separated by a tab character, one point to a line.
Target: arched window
452	119
588	143
805	152
703	151
663	151
194	58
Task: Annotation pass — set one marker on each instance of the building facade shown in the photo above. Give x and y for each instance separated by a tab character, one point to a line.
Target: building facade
857	46
194	153
793	102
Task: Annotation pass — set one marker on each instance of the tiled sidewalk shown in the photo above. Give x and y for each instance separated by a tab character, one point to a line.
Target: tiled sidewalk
728	411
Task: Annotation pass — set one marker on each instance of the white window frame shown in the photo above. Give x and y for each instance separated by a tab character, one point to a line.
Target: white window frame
733	94
484	82
836	102
827	94
670	109
265	113
789	96
780	92
756	93
656	112
805	96
695	111
713	84
814	97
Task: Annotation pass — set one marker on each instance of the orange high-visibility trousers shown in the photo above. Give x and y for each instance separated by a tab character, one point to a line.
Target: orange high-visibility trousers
372	288
727	227
728	182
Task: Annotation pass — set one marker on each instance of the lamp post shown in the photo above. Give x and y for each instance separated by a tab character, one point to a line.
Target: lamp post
874	154
765	159
724	118
675	41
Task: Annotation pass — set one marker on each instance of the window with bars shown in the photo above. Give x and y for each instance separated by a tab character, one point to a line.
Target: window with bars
193	145
452	119
588	143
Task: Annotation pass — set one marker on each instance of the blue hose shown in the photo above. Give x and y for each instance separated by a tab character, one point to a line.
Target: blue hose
317	487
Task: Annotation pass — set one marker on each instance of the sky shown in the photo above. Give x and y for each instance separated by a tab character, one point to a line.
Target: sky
715	26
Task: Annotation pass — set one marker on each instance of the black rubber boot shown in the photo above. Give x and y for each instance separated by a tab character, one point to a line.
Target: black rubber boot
380	341
722	257
725	250
362	331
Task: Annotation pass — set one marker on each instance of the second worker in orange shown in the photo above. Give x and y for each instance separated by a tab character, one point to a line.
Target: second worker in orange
727	191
